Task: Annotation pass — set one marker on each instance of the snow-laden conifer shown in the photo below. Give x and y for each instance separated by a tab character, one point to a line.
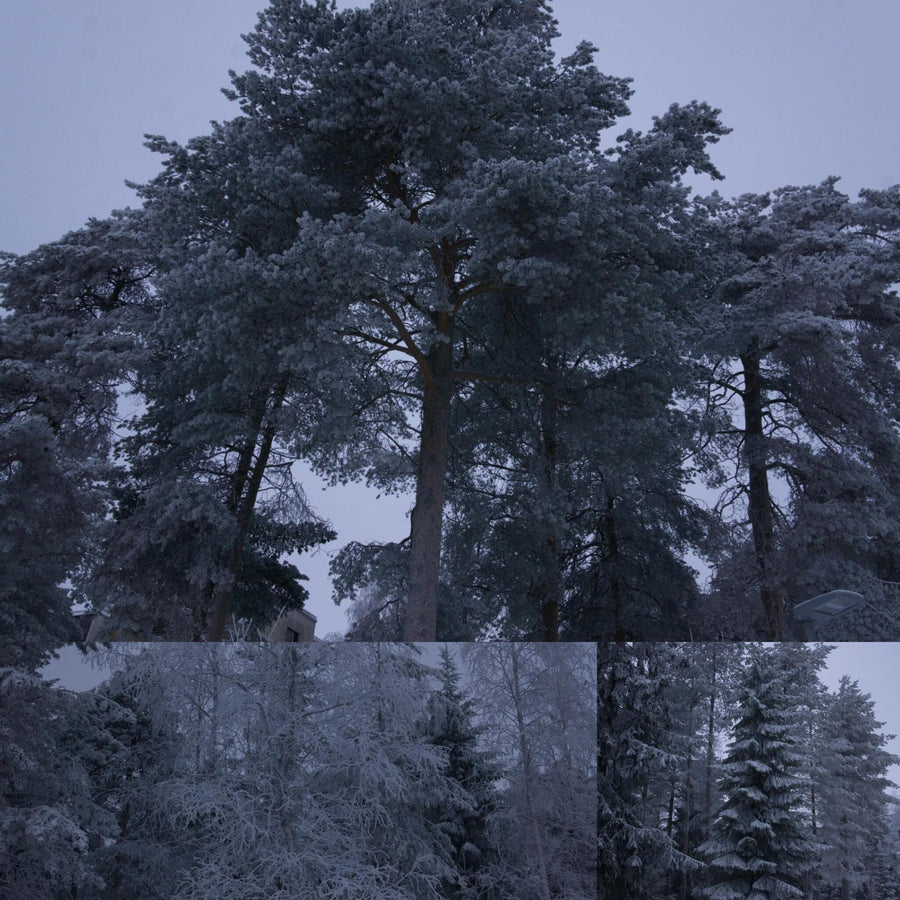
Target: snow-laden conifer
761	847
853	790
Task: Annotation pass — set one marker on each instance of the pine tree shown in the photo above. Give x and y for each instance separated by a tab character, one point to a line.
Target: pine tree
584	534
71	312
796	334
465	159
760	847
208	505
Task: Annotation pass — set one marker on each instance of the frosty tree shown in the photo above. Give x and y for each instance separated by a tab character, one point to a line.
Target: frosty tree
799	338
464	818
760	847
449	132
410	259
854	803
537	707
340	771
72	311
639	754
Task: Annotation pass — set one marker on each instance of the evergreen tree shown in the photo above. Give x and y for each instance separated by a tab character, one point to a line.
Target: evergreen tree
466	161
638	757
594	530
462	817
760	847
208	507
68	347
147	855
697	700
854	802
799	335
888	877
59	752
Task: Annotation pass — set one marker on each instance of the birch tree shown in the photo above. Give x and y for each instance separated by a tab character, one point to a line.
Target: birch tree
551	781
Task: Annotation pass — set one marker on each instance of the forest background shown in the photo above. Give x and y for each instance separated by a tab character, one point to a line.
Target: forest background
329	770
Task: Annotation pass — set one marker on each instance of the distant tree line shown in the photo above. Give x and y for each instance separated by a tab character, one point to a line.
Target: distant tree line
416	259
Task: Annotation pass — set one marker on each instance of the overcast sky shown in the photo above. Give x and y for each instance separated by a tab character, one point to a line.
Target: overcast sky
810	88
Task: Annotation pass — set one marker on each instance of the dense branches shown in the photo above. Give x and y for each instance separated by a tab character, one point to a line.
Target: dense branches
334	771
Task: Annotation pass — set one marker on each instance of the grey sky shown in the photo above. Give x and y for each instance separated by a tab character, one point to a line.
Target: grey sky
809	86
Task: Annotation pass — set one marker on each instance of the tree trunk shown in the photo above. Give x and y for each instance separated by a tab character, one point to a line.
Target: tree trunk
710	744
608	525
670	816
550	587
244	512
759	498
688	801
427	516
238	482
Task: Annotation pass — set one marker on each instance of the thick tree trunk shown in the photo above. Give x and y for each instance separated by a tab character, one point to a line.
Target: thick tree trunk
248	448
427	517
238	483
759	498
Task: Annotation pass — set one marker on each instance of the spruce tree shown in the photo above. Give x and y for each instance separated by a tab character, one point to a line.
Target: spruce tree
462	817
854	782
760	847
